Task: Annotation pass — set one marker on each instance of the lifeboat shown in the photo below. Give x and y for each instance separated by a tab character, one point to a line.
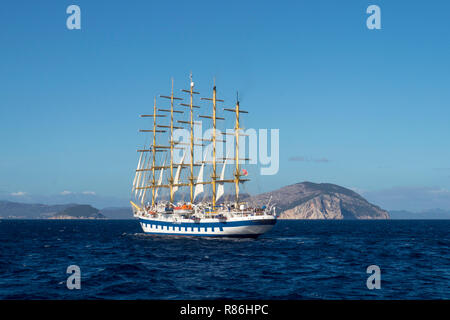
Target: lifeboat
185	208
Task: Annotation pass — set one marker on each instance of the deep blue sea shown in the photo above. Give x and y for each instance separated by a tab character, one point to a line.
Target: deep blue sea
296	260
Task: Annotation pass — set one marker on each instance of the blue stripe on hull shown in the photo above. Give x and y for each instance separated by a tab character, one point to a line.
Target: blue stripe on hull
209	224
205	235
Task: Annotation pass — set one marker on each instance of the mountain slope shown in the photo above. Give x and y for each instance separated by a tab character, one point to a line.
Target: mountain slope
309	200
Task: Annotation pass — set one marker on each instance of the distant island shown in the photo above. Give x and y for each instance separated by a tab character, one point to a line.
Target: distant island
16	210
305	200
82	211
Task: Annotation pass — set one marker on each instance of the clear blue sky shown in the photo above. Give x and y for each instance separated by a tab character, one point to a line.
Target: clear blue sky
374	103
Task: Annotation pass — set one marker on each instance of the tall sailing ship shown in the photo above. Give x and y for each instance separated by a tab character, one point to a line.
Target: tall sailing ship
211	215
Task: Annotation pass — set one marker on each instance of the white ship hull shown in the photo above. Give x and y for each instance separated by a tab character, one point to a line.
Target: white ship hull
250	226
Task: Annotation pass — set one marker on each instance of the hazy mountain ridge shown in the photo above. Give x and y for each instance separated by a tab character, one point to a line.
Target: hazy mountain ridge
304	200
423	215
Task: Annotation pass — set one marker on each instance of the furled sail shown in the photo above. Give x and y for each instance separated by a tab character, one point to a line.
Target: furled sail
221	187
138	181
137	172
199	186
160	178
177	175
143	176
145	190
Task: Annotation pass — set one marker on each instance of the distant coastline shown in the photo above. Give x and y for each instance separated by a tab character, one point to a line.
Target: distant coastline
301	201
73	218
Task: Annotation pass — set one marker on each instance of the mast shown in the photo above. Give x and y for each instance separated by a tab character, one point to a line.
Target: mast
191	143
154	153
153	149
237	175
191	178
171	144
159	148
214	118
213	177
